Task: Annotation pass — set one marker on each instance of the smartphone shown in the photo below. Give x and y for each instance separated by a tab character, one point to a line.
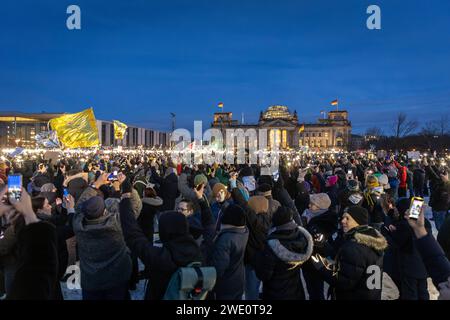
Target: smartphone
276	175
65	193
350	172
14	187
199	187
415	208
113	176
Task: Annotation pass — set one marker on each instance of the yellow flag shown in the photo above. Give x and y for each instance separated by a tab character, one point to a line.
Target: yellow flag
302	128
77	130
119	130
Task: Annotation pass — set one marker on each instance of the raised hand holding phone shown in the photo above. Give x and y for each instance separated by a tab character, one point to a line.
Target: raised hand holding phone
199	190
25	207
418	225
416	207
69	202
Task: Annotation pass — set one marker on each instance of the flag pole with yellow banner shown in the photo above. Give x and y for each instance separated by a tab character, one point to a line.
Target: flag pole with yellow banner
120	129
76	130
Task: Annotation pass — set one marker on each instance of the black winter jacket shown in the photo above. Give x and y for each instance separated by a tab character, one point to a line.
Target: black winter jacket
359	262
278	265
161	261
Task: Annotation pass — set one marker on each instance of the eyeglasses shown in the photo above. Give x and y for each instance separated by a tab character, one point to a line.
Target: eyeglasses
182	209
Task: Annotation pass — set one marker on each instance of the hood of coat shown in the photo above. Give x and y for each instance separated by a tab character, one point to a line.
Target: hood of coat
154	202
184	250
368	237
136	203
81	175
293	244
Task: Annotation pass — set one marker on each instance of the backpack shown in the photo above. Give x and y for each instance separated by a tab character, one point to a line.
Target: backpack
192	282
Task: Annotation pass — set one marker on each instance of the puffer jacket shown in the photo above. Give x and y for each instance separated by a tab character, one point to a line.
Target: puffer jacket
359	261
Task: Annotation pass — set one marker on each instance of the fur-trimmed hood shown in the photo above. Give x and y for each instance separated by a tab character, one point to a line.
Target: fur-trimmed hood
155	201
369	237
82	175
282	248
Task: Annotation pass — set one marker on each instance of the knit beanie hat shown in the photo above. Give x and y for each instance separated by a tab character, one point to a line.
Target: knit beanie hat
320	200
359	214
265	179
259	204
372	182
200	179
392	173
332	180
234	215
383	180
48	187
264	190
282	216
218	187
353	185
93	208
247	172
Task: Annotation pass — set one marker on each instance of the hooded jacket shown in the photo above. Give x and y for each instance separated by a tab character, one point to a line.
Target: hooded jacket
287	248
227	256
179	249
150	208
169	191
258	226
104	257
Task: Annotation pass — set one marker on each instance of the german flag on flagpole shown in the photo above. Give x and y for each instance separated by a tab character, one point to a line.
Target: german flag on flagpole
335	102
220	105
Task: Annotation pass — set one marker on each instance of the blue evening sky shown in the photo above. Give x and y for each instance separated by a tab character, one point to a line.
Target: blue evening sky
136	61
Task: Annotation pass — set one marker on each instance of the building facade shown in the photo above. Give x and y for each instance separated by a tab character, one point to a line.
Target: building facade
285	130
20	129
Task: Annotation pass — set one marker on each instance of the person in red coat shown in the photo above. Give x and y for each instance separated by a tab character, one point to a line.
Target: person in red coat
402	176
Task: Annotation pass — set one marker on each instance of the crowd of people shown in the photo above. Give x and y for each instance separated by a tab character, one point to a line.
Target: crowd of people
339	221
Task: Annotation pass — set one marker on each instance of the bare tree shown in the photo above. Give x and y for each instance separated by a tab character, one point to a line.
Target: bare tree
374	132
402	126
443	124
429	129
437	127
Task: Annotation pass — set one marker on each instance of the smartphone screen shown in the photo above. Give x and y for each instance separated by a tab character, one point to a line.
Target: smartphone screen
349	172
199	187
66	192
14	187
416	208
276	175
113	176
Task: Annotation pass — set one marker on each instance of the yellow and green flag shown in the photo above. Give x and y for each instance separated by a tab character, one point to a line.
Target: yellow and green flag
119	130
76	130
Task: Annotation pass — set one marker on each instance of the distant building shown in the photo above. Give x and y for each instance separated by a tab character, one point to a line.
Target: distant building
283	127
18	129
